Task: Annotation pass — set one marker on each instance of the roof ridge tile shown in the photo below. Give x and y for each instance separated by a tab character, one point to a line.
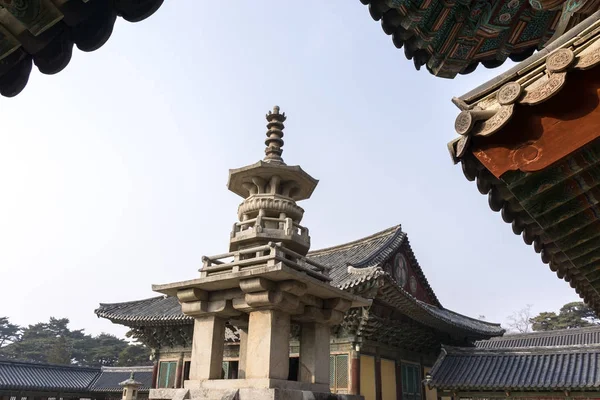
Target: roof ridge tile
376	235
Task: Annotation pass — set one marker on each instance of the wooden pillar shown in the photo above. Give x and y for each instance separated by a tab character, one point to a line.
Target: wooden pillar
354	373
398	380
179	372
154	375
422	380
378	378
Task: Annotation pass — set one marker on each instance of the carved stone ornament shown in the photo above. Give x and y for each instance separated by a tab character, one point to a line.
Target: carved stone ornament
497	121
509	93
462	145
547	88
589	58
560	60
463	123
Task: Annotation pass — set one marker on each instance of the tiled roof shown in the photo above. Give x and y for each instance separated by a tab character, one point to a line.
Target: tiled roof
436	317
110	377
16	375
44	33
462	321
523	369
563	337
367	252
156	311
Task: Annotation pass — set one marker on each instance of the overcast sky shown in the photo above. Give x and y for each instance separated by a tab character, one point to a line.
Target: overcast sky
113	171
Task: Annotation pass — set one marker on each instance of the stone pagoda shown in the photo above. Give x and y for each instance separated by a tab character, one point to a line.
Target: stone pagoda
262	285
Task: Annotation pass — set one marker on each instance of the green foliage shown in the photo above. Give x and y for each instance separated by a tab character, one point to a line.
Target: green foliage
571	315
53	342
134	355
59	352
9	333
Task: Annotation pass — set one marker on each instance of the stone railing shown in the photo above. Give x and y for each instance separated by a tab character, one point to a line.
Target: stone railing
259	256
258	224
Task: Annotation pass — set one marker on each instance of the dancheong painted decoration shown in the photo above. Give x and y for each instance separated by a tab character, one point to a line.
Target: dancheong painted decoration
453	37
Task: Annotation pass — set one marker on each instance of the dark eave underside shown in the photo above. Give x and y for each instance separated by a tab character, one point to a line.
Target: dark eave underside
554	204
44	33
555	210
444	38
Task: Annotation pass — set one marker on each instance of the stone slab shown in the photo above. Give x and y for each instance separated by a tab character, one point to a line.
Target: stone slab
246	394
223	384
278	272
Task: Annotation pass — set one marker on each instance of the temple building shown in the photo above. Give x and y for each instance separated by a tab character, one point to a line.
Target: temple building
380	346
552	364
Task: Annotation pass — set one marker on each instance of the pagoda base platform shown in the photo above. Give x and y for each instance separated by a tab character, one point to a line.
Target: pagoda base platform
229	389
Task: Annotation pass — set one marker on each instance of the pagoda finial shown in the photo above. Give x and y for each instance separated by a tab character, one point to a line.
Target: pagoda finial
274	141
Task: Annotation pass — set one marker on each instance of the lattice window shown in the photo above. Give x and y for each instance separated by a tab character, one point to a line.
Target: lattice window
338	372
166	374
332	372
411	382
229	370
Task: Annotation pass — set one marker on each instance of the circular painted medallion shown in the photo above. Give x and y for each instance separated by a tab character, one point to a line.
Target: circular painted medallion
400	269
413	285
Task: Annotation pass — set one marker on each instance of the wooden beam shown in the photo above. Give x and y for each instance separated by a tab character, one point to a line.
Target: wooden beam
538	136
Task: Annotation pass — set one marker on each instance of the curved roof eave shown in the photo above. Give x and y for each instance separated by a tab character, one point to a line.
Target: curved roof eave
47	40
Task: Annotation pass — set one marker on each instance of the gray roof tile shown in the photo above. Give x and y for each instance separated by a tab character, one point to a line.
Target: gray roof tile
19	375
15	375
522	369
110	377
563	337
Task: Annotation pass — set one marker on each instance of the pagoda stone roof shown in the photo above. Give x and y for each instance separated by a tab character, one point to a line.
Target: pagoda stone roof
451	38
355	267
562	337
567	368
44	33
552	204
28	376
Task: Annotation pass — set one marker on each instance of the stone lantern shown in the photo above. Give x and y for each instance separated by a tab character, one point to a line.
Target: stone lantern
263	284
130	388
